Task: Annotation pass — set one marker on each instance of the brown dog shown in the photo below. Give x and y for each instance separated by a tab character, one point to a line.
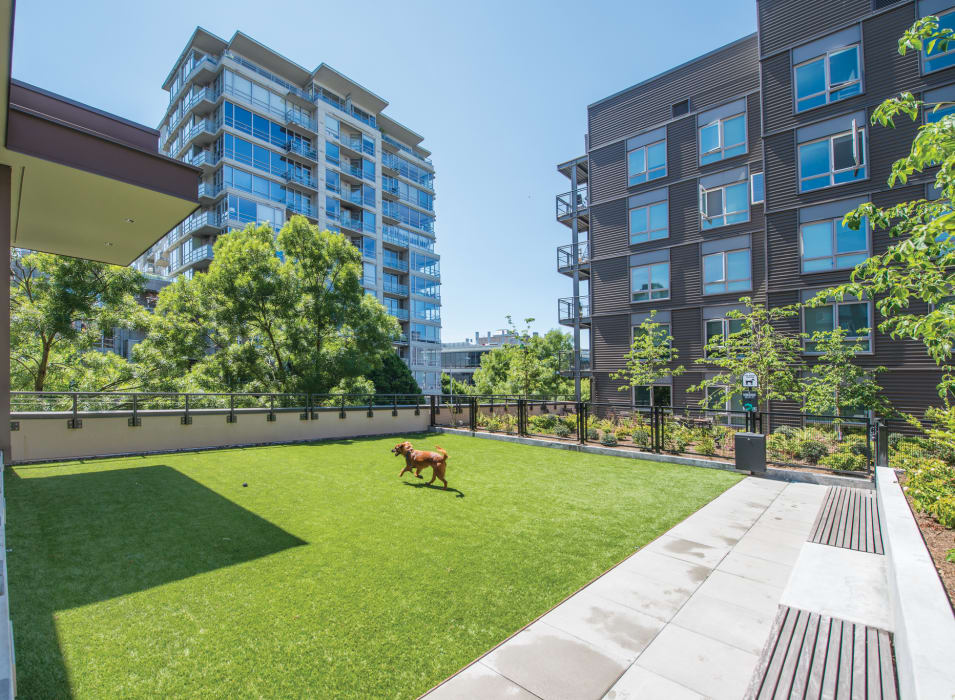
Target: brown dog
416	460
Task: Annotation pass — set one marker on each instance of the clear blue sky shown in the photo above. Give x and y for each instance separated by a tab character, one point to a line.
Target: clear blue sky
499	89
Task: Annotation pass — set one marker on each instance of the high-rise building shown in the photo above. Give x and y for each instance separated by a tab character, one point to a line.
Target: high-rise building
728	176
273	139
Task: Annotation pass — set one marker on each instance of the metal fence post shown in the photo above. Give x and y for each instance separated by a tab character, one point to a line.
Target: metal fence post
522	417
186	419
371	405
394	404
473	409
581	430
231	416
271	415
74	423
341	413
134	421
433	411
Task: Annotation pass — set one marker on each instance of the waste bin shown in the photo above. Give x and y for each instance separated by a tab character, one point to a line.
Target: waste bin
751	452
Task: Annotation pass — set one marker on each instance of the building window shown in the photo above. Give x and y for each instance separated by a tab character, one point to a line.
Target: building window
757	188
831	245
662	332
943	97
833	76
723	138
938	58
648	282
727	271
720	329
725	410
655	395
724	204
647	162
649	223
852	316
833	160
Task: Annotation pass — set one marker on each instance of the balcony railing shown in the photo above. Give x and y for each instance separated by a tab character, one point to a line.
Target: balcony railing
294	118
565	201
207	61
567	361
568	310
397	144
567	257
396	288
400	314
351	222
196	255
208	189
202	158
395	263
394	235
305	151
306	209
293	176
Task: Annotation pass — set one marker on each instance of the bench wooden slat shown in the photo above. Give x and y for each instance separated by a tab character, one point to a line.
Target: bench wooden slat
806	655
820	521
848	518
877	529
774	653
831	679
858	662
886	667
844	686
821	653
788	669
873	680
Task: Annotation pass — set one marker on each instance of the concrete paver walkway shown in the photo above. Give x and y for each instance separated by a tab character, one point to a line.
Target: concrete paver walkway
684	617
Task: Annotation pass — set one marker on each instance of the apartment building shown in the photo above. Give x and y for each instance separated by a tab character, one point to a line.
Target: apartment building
273	139
460	360
728	176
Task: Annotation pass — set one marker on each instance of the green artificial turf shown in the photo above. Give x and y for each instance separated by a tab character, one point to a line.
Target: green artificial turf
327	576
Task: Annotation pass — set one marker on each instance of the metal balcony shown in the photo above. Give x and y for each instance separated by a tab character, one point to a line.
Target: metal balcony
203	159
304	209
569	309
394	263
292	176
566	361
568	258
292	117
395	288
565	207
195	256
304	151
400	314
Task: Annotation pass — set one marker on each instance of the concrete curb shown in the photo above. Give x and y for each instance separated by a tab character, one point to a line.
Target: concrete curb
772	473
924	623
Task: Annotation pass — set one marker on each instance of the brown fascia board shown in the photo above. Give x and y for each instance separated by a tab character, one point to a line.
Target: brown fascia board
64	142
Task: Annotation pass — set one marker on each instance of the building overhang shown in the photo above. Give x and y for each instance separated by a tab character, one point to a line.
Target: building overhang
580	164
328	77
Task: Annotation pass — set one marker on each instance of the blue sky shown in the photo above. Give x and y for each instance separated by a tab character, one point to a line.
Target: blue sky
499	89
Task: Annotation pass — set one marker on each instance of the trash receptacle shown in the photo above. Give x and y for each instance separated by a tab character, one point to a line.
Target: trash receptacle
751	452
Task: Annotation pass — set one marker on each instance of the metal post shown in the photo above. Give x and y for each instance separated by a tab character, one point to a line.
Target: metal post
231	417
574	237
394	404
474	410
186	418
134	421
341	413
271	416
74	423
371	405
433	411
881	445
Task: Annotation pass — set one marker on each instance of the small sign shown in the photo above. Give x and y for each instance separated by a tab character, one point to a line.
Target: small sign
749	401
750	380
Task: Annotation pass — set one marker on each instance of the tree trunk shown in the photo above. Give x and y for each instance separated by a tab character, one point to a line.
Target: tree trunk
41	371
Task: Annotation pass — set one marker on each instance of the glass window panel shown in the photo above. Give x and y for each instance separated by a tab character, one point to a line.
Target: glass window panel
842	153
659	224
710	137
641	395
714	203
242	179
734	131
759	188
844	261
848	240
818	319
713	268
656	155
662	395
638	221
844	66
818	265
636	161
817	239
814	158
737	198
735	325
714	329
854	317
811	79
738	265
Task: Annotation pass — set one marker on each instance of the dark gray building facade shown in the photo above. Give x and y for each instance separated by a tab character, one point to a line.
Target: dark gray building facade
729	175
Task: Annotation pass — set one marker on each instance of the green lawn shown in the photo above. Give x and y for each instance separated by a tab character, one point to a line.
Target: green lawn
326	576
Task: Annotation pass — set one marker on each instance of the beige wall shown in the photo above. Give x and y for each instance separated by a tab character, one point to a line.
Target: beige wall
49	438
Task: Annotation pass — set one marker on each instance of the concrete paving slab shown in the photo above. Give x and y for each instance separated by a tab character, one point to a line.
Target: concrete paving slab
736	625
657	599
666	569
711	530
756	569
762	548
687	550
611	627
479	681
760	597
640	684
841	583
710	667
555	665
775	535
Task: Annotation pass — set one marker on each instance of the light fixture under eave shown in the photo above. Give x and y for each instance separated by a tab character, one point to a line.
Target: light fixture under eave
109	244
130	221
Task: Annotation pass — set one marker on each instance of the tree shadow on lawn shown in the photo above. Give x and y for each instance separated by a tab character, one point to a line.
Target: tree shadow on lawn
109	533
435	487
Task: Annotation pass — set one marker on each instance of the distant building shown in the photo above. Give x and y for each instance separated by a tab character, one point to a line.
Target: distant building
459	360
122	340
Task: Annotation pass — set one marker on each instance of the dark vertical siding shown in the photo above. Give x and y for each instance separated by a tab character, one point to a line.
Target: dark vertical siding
777	95
611	340
609	229
784	22
610	285
687	330
681	151
722	75
608	172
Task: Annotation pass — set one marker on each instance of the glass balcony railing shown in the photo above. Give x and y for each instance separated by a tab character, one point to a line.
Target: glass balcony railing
209	190
567	257
301	149
351	222
400	146
570	308
293	117
394	235
395	263
400	314
566	360
353	170
305	209
396	288
565	202
293	176
206	61
368	281
196	255
353	197
202	158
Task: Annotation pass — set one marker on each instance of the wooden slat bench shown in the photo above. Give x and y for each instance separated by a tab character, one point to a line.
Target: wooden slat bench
814	656
849	518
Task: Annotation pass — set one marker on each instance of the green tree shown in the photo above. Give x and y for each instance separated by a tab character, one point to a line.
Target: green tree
450	385
529	367
836	384
761	344
913	281
60	307
258	321
393	376
651	356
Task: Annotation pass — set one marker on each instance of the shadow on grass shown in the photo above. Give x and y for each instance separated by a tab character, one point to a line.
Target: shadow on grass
103	534
435	487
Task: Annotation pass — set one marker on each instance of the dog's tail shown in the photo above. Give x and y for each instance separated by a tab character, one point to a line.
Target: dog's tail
442	451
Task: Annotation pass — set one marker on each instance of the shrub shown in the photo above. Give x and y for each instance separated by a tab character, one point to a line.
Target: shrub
931	485
812	450
706	446
895	439
608	439
785	430
592	433
543	424
494	424
641	437
781	446
621	433
562	431
845	460
857	446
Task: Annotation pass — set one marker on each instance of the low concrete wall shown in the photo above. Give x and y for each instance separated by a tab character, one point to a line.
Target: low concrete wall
924	624
48	438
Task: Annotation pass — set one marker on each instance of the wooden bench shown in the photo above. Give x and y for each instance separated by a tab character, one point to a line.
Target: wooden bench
814	656
849	518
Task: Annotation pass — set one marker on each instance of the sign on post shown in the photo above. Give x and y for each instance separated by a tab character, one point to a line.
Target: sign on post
750	380
749	400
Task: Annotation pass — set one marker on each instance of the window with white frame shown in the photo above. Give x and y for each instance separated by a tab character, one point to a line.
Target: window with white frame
647	157
939	56
939	103
828	69
650	276
662	331
826	243
724	198
649	216
832	152
719	329
757	188
851	315
722	132
726	410
727	271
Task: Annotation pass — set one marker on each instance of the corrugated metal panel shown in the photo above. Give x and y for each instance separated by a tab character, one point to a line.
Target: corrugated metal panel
777	93
711	79
687	330
681	384
608	172
783	22
610	286
611	340
609	229
685	276
682	160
